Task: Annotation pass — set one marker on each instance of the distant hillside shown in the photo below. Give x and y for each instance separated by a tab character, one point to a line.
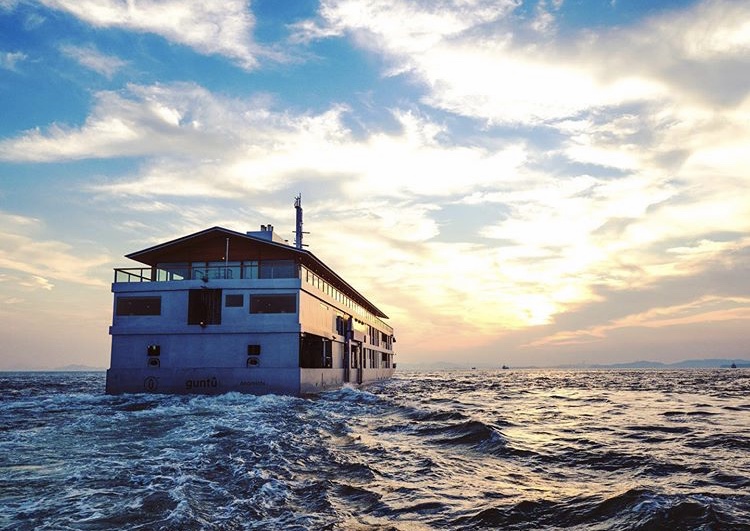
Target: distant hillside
711	363
431	366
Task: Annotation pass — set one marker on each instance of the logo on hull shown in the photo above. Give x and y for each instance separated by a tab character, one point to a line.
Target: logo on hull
151	383
198	384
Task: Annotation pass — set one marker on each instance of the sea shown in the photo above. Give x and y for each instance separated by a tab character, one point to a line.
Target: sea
502	449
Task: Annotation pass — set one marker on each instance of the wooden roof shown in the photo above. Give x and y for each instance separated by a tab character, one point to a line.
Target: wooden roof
210	245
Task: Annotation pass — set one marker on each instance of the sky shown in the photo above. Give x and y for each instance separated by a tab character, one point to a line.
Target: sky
521	182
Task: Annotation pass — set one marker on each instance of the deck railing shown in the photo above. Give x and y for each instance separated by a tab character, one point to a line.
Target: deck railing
265	270
133	274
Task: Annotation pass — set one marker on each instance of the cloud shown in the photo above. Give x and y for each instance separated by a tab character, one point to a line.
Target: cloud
200	144
93	59
141	121
36	262
10	60
211	27
708	309
481	60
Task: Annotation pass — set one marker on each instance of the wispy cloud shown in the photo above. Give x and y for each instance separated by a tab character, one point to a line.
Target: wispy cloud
190	134
221	27
10	60
709	309
36	263
91	58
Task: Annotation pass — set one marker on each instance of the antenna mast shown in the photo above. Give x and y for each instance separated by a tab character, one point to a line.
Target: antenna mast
298	227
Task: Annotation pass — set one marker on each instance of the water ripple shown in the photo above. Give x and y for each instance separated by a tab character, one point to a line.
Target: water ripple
443	450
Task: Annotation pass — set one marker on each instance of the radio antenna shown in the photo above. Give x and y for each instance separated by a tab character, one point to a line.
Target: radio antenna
298	226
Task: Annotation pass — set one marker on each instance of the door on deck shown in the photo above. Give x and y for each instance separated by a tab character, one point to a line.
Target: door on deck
353	361
357	356
347	361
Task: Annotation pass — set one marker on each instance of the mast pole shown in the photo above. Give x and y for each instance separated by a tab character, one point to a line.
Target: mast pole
298	225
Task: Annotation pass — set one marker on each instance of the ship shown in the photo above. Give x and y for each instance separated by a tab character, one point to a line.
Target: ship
222	311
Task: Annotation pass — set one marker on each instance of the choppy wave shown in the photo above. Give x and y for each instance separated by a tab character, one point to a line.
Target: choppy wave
445	450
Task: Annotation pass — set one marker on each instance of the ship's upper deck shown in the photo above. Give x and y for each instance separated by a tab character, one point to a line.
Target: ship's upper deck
222	254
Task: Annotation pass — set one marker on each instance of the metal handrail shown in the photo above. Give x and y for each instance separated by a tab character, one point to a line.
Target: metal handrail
133	274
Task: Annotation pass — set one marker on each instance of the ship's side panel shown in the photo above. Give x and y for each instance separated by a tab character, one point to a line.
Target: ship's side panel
190	336
338	345
321	344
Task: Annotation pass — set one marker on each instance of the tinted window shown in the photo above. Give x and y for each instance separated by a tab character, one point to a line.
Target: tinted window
315	352
138	306
234	301
278	269
273	304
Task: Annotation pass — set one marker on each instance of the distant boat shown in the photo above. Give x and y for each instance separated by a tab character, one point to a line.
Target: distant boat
733	365
506	367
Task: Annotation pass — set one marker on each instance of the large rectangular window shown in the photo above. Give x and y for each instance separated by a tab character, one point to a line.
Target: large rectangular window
223	270
138	306
315	352
204	307
170	272
278	269
273	304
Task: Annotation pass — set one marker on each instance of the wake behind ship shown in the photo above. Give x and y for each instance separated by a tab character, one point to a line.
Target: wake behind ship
219	311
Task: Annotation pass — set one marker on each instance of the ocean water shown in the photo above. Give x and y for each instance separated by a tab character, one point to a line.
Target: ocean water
512	449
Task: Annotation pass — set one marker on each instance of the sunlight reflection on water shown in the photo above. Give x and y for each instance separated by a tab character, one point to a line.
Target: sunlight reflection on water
507	449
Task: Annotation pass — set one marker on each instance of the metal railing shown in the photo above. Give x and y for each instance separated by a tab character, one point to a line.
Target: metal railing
266	270
133	274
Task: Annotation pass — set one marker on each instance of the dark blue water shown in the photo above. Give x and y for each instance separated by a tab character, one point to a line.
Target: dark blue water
510	449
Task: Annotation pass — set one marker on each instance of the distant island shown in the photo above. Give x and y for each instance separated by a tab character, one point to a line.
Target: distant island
712	363
708	363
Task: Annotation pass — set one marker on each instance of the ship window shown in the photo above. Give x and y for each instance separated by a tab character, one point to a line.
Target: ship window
340	325
204	307
278	269
250	269
234	301
223	270
253	350
273	303
315	352
199	270
169	272
138	306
